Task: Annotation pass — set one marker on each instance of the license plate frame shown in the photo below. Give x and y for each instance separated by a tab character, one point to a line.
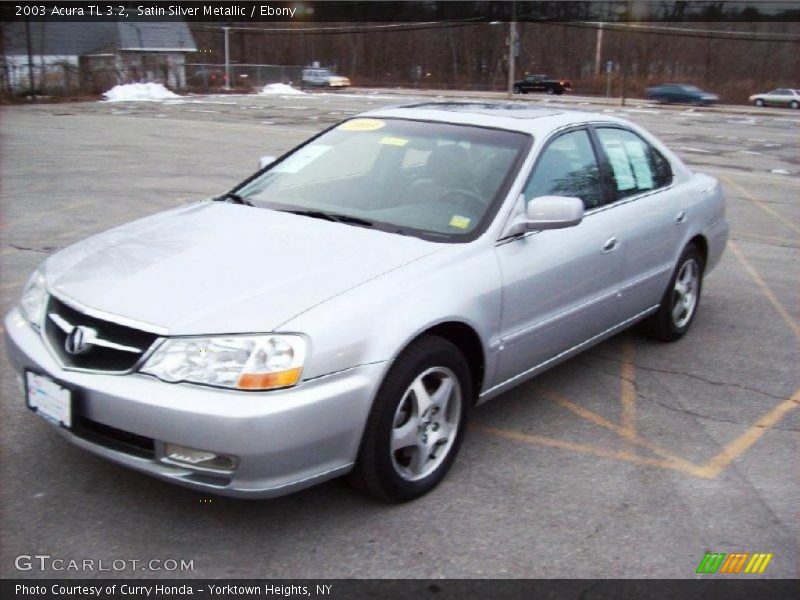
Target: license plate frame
50	399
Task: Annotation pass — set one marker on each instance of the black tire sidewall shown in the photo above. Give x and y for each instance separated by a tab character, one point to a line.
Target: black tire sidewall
516	89
421	355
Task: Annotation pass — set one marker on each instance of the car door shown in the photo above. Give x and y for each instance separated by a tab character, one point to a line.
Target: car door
651	214
559	285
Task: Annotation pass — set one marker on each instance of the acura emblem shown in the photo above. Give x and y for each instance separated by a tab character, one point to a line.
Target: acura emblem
79	340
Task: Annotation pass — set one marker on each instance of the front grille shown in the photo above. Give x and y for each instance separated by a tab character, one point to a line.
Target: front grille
109	347
113	438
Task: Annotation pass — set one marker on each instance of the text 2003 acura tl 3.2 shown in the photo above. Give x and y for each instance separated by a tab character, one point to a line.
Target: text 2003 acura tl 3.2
343	309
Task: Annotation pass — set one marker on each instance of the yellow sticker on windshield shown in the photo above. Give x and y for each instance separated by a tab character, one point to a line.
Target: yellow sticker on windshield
460	222
362	125
394	141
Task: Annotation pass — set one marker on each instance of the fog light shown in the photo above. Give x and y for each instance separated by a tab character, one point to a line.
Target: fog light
199	458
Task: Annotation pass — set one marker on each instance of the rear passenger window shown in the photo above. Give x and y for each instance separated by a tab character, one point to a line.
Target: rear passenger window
636	166
568	167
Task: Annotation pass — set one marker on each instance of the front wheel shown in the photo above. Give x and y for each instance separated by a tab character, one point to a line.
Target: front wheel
794	104
759	102
516	89
549	91
416	423
679	304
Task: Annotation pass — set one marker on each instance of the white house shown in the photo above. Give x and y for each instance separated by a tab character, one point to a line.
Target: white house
94	56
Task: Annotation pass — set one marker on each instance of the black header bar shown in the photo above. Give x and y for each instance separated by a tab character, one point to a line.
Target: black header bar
310	11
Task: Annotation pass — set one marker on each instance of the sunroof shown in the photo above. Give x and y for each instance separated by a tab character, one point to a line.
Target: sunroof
497	109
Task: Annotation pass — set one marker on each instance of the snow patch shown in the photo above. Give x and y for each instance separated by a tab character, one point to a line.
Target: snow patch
280	89
780	171
139	92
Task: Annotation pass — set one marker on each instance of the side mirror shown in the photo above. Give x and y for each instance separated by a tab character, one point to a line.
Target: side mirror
553	212
265	161
547	212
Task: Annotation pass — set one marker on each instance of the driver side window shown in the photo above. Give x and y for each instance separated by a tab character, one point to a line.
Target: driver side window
568	167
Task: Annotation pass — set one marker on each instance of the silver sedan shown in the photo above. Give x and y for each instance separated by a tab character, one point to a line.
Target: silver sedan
344	309
786	97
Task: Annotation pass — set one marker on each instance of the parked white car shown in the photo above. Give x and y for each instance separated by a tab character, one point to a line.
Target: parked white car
345	308
323	78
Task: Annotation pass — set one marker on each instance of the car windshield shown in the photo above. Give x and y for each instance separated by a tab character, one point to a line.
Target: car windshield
435	180
691	88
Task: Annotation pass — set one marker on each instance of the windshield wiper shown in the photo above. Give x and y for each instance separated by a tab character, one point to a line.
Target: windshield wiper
234	198
319	214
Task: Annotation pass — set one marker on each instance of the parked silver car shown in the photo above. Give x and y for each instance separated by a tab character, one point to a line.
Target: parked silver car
786	97
344	309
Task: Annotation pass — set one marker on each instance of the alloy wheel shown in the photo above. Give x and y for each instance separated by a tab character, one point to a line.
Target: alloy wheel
426	423
684	293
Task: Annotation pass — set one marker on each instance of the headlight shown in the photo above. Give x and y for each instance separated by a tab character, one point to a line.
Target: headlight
246	362
34	298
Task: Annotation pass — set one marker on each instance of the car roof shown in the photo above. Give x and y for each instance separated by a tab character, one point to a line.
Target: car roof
513	116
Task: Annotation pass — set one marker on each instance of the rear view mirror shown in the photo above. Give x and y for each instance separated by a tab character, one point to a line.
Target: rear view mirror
553	212
265	161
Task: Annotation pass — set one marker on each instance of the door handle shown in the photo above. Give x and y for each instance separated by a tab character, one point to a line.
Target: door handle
680	219
610	245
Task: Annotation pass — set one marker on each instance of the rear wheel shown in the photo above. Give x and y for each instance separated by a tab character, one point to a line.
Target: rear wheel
758	102
680	301
416	423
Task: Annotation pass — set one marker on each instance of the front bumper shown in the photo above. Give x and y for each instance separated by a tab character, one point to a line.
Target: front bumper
285	440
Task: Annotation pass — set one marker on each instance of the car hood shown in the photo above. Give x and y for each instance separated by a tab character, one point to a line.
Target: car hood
216	267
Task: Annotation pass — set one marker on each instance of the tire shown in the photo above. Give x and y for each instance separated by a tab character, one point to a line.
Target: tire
549	91
409	472
794	104
758	102
516	89
665	325
559	92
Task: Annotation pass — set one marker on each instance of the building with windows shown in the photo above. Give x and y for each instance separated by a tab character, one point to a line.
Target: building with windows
93	57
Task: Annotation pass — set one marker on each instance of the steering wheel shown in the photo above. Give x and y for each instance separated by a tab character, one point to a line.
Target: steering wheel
468	199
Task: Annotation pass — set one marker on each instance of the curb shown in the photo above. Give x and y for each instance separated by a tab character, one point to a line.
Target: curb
584	100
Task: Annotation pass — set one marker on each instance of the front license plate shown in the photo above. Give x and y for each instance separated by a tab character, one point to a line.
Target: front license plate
48	399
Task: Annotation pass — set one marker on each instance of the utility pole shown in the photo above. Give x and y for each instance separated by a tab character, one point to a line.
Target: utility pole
29	44
227	59
512	47
598	50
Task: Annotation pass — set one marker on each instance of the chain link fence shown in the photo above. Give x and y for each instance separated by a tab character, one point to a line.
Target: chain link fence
207	76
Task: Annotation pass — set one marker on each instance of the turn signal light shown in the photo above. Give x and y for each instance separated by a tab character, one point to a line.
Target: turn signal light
269	381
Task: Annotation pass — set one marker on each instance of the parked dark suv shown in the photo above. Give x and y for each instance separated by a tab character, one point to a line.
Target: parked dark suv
541	83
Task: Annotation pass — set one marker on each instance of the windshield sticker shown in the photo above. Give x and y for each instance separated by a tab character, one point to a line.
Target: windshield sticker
393	141
361	125
460	222
301	159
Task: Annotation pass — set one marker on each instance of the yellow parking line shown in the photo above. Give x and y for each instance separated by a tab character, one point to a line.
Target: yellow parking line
793	325
761	236
625	455
591	416
737	447
760	204
628	396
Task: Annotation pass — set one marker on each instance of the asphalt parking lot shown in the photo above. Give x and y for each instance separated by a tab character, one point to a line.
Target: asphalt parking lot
630	460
